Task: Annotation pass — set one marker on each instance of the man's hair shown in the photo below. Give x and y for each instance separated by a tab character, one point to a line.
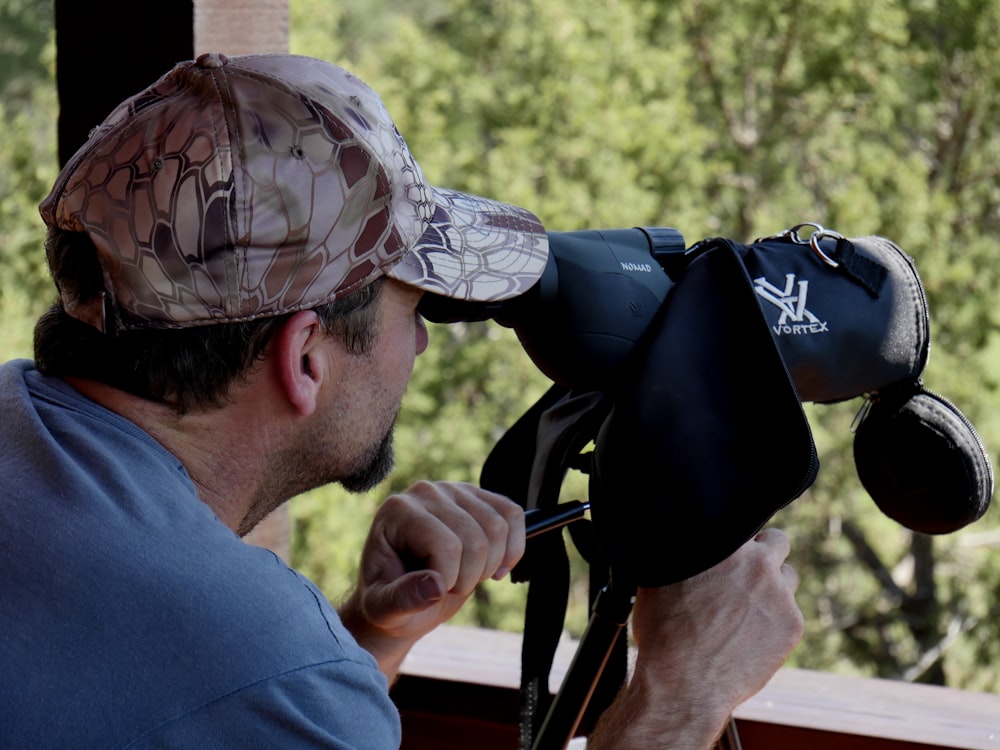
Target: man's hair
184	368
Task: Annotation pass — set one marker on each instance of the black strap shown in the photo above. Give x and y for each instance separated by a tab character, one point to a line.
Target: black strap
545	613
867	272
529	465
613	675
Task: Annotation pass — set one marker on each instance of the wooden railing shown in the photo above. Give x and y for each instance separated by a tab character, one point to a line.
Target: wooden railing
458	689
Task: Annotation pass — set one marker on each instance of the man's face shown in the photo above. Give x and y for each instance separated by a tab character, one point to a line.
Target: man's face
381	381
348	437
359	411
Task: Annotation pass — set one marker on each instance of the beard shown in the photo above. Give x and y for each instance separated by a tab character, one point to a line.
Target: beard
295	471
376	466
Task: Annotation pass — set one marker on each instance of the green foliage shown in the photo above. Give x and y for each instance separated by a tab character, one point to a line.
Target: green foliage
28	159
24	46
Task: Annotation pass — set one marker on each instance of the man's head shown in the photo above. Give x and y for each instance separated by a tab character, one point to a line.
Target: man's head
240	190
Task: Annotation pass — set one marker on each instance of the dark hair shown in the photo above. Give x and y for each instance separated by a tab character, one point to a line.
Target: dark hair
183	368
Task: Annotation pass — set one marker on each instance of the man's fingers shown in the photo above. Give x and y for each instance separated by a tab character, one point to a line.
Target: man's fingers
503	524
461	531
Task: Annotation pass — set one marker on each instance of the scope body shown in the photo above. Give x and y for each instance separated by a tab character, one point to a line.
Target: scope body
599	293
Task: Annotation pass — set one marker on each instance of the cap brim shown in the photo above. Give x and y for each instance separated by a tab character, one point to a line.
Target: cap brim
475	249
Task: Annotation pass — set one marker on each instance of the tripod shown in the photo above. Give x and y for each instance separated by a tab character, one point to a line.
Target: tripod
609	617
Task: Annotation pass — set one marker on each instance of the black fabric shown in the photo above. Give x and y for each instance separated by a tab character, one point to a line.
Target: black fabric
507	469
866	271
706	439
529	465
545	613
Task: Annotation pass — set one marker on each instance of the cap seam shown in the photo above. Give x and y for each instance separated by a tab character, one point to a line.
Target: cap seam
235	268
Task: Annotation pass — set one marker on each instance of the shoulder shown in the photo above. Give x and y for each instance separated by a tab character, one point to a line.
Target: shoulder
329	705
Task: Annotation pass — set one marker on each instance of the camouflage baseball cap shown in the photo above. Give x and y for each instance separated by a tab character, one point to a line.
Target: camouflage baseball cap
246	187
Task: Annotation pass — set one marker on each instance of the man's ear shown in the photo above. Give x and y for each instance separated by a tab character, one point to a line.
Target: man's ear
300	360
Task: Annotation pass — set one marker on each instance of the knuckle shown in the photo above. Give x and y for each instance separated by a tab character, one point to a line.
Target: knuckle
496	526
396	504
476	548
425	488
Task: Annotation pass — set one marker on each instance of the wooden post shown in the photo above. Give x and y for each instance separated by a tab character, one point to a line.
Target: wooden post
240	27
107	50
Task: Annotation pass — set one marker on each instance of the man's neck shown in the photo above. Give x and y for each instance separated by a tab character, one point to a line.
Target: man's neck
219	448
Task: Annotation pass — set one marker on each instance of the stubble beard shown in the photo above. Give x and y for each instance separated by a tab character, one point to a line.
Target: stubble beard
376	466
296	472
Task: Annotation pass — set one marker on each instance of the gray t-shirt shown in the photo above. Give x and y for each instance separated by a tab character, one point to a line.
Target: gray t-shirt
131	617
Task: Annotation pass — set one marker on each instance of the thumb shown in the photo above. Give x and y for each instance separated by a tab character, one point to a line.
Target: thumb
408	594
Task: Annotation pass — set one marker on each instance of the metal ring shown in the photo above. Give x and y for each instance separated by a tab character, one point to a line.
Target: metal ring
818	232
794	232
814	244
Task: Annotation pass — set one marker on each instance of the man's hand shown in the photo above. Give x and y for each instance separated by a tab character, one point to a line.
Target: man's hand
705	645
426	551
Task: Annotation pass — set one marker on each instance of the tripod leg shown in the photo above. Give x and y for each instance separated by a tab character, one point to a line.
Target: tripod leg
730	739
610	614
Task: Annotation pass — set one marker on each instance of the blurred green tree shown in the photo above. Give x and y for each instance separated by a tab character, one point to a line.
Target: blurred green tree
29	164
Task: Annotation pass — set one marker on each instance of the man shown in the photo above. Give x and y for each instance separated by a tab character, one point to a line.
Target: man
239	252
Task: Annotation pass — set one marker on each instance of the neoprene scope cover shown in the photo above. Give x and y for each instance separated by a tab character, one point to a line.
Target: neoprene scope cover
849	316
706	439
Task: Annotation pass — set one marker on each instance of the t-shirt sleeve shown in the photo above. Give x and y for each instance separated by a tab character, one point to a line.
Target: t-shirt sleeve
338	705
